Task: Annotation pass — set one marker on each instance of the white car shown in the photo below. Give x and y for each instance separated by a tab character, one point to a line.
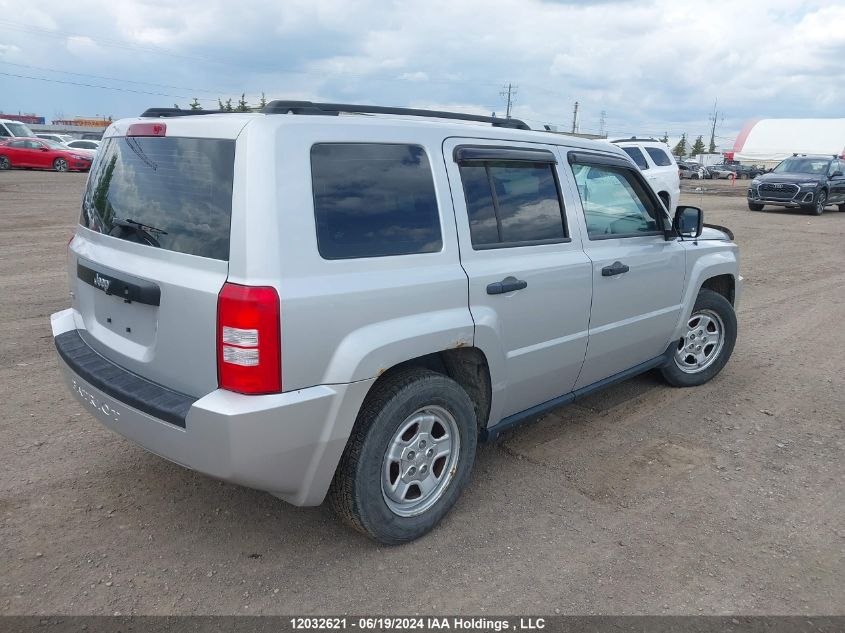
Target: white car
64	139
84	144
9	128
657	165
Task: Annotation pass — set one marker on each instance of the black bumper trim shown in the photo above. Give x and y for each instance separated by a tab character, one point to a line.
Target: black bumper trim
122	385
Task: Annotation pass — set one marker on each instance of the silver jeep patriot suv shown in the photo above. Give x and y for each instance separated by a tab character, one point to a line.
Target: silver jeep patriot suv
339	301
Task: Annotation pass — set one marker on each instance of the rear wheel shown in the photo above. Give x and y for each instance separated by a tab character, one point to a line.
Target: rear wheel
755	207
60	164
5	163
707	343
842	208
743	176
410	455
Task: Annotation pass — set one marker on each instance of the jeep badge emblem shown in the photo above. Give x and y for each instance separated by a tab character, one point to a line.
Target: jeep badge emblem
101	282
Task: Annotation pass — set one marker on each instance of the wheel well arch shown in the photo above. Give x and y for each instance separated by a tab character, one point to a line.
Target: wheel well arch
725	285
465	365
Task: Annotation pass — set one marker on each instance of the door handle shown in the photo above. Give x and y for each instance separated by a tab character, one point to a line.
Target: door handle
508	284
616	268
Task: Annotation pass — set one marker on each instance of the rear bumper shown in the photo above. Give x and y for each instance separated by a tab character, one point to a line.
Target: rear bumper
288	444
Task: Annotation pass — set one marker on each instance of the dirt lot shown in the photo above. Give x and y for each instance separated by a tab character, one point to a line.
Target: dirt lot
728	498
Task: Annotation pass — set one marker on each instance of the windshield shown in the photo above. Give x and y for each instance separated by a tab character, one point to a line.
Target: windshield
19	129
170	192
816	166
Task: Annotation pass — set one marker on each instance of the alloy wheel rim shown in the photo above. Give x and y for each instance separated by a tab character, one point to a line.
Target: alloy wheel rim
4	163
420	461
821	202
61	165
699	348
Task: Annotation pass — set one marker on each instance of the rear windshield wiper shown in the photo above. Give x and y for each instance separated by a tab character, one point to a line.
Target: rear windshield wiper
129	223
144	233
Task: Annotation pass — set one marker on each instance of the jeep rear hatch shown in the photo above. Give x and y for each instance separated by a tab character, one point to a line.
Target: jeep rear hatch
148	265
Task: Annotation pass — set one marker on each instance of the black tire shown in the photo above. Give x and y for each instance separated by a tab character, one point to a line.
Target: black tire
60	164
821	201
842	208
753	206
5	163
713	302
743	176
356	493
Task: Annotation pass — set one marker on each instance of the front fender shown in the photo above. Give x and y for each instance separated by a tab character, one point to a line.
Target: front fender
704	261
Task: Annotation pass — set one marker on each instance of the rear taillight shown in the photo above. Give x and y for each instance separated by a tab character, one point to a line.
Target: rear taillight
249	339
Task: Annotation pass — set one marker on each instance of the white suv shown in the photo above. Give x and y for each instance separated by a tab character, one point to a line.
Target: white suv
657	165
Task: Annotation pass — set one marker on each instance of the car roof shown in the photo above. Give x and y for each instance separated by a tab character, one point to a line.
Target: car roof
229	125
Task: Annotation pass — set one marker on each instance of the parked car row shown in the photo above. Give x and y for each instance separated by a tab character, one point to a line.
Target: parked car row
38	153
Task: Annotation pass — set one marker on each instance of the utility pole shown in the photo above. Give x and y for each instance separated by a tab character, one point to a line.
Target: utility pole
602	122
509	94
575	118
713	119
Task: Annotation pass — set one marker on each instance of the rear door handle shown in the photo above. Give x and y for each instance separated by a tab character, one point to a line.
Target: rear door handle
508	284
616	268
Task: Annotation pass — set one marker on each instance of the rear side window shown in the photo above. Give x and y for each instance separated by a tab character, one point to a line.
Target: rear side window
512	203
374	200
637	156
166	192
660	158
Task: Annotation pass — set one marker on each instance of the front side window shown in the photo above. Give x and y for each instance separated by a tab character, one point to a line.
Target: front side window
374	200
660	158
4	133
615	202
512	203
636	156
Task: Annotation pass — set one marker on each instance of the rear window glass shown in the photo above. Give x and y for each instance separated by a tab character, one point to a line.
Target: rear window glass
512	203
660	158
373	200
637	156
167	192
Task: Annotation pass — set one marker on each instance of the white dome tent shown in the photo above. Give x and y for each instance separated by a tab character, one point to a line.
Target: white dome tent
769	141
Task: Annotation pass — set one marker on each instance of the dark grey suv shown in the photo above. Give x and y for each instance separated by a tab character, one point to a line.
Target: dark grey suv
801	181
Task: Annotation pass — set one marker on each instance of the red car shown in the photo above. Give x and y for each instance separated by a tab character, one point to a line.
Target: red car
41	154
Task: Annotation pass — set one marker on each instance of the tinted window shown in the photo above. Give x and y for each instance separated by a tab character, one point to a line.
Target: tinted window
614	201
660	158
373	200
637	156
512	203
3	131
180	189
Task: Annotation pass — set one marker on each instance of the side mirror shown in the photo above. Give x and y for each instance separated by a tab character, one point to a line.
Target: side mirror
688	221
44	149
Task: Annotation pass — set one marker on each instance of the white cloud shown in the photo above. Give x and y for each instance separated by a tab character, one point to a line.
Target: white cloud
653	66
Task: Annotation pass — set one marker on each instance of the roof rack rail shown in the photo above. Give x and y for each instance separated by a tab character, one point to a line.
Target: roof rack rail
164	113
634	138
333	109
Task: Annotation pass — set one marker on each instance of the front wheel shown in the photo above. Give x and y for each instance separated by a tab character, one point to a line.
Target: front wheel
409	456
60	164
706	344
821	201
753	206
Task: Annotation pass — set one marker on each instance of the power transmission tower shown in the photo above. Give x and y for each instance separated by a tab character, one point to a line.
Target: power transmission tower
602	122
714	118
575	118
509	94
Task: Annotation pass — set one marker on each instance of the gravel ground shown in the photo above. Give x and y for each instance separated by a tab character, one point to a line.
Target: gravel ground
643	499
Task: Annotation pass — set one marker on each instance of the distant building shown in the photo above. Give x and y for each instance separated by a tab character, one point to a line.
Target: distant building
33	119
769	141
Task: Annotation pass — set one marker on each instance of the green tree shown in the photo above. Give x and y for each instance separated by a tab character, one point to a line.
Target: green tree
220	105
263	101
228	106
681	148
697	147
242	104
665	138
195	104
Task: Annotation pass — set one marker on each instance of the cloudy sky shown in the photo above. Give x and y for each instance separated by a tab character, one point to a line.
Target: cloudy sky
652	66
